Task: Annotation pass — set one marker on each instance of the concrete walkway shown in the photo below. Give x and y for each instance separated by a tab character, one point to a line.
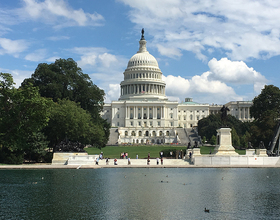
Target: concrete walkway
49	166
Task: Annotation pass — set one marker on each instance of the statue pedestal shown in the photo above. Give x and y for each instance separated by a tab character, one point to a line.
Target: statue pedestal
196	152
250	152
261	152
224	147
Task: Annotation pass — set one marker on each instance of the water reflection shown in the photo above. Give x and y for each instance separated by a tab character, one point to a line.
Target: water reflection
143	193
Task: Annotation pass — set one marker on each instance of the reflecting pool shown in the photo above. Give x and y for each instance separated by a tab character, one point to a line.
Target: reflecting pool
140	193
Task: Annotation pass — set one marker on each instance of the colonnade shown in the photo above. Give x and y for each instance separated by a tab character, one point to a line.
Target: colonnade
151	112
142	88
142	75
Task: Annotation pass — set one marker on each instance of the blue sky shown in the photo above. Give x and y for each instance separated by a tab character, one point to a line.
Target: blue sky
214	51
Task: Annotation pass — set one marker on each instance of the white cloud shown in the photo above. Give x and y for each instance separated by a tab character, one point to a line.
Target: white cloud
59	13
212	86
57	38
12	47
113	93
37	55
241	29
234	72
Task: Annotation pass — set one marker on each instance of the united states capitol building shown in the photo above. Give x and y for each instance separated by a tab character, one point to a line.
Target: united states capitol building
144	115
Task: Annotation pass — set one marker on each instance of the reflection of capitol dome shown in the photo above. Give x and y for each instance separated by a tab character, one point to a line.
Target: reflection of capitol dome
142	78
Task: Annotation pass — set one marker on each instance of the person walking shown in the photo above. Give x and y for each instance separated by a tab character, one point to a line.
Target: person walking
128	161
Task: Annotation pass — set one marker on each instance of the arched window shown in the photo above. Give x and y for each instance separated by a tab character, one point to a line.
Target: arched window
167	133
147	133
126	133
160	133
140	133
133	133
154	133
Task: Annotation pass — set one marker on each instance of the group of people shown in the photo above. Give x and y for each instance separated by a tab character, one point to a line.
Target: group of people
124	155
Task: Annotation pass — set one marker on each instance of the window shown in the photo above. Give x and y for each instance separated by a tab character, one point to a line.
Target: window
131	123
118	124
197	117
118	116
151	123
179	118
184	117
118	109
107	110
144	108
171	109
158	123
138	109
130	108
171	115
126	133
191	117
139	123
150	109
171	124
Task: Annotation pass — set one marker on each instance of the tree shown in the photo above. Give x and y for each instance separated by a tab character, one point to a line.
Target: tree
208	126
213	140
69	121
63	79
235	138
266	112
23	113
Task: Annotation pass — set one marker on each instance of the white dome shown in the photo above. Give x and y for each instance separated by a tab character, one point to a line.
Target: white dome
142	59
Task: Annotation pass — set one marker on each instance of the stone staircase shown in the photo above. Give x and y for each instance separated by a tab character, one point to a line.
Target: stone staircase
113	137
193	136
182	136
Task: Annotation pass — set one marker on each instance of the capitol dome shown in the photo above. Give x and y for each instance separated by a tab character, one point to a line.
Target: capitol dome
142	59
142	77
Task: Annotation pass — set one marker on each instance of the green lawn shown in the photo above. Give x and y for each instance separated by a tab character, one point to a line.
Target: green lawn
142	151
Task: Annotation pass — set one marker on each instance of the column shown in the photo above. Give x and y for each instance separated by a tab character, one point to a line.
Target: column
248	110
239	114
148	116
161	112
142	117
154	112
125	112
134	112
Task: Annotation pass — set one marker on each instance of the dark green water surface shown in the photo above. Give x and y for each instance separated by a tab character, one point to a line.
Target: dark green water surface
140	193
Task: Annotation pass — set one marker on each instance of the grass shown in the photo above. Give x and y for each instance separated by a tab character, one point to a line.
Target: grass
142	151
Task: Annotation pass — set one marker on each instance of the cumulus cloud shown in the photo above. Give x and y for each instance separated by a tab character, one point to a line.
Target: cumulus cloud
37	55
214	86
241	30
58	12
234	72
113	93
12	47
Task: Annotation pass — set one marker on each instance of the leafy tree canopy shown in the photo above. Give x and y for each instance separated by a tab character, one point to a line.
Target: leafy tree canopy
23	114
63	79
69	121
266	104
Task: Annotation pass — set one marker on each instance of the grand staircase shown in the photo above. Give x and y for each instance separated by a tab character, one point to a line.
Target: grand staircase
193	136
114	136
183	136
